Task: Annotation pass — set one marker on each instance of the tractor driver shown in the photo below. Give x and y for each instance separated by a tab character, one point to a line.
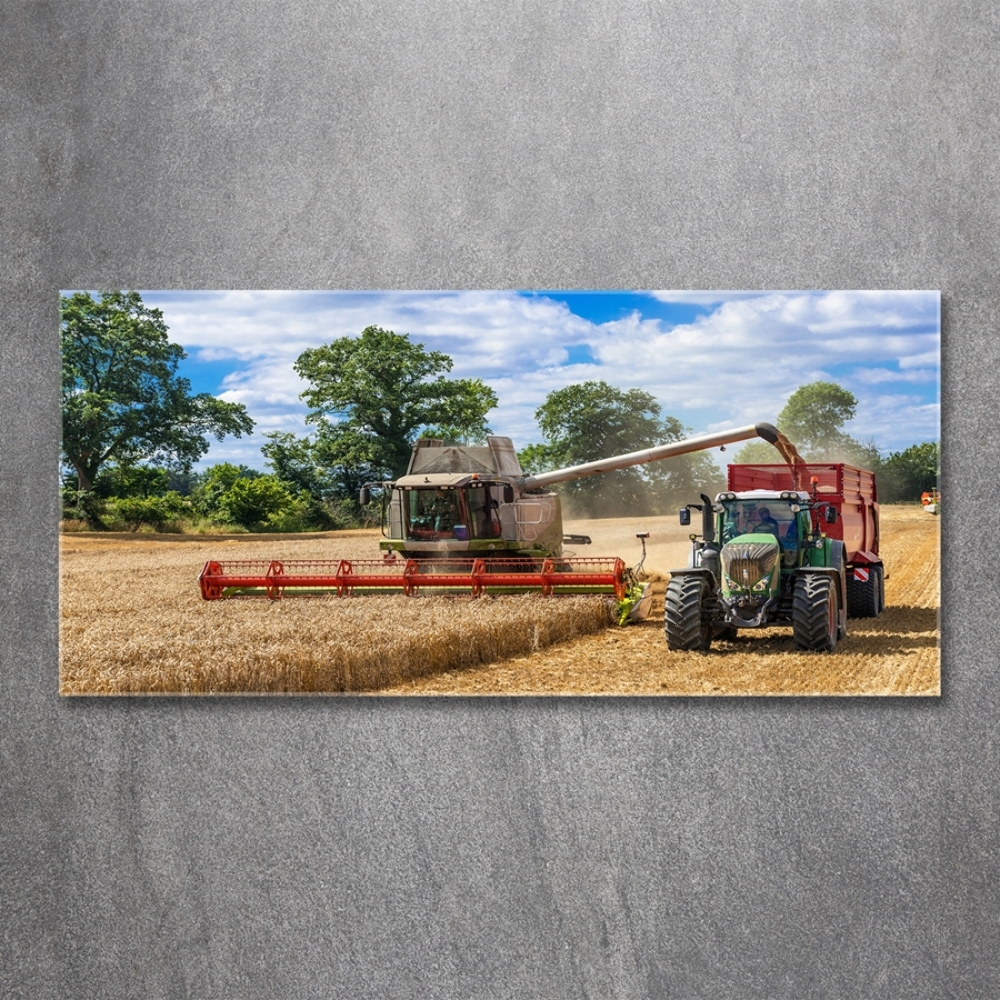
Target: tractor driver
763	523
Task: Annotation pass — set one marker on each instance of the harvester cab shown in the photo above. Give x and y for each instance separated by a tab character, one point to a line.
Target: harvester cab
461	499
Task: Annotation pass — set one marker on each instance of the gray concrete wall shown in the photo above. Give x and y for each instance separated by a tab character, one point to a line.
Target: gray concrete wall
498	848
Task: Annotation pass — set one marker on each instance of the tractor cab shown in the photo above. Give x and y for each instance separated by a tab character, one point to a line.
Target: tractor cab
753	542
784	516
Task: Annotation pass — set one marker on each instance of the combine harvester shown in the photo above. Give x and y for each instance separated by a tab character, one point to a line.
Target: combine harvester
467	520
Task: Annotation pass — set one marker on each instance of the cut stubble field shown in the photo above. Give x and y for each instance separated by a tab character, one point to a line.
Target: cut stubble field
133	622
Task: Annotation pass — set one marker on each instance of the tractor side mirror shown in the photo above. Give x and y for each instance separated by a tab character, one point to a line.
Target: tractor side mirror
365	496
831	515
508	493
685	515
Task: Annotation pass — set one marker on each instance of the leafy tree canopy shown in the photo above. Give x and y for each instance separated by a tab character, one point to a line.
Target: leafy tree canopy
154	511
593	420
294	462
905	475
384	392
813	419
116	480
122	399
314	472
757	453
215	482
814	416
251	502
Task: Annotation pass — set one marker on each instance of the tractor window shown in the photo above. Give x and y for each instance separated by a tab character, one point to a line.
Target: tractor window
774	517
433	514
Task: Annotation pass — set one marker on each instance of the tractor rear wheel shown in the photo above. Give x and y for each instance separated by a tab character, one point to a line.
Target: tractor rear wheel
815	613
683	617
864	596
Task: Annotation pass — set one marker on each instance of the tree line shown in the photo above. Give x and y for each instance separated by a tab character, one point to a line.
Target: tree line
133	431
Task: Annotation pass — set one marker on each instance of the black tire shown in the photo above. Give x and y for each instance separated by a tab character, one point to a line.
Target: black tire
684	621
815	613
863	596
729	633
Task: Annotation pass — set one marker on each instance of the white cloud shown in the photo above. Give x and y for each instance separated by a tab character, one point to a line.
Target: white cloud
705	297
882	417
735	365
875	376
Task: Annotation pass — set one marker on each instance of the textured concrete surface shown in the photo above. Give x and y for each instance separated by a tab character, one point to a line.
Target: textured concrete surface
498	848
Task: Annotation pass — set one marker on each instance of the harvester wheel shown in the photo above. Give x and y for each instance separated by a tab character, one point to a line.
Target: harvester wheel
865	597
684	621
815	613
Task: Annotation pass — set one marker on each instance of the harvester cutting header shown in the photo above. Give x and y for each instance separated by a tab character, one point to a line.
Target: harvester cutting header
466	518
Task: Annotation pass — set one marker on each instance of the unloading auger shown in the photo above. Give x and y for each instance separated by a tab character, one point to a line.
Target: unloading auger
464	519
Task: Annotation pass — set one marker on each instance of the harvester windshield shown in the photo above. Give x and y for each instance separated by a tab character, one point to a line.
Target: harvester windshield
451	512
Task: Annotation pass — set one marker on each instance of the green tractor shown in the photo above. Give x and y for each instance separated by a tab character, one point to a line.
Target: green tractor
763	559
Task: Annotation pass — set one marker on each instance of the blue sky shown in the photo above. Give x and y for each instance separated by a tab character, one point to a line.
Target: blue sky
712	359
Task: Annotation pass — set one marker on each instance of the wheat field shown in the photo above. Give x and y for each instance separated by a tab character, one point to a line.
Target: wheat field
897	653
133	622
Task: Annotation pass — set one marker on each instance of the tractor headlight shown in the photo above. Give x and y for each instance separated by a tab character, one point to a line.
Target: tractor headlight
761	585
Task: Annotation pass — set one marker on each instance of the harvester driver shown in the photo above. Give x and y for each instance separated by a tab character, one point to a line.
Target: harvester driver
442	512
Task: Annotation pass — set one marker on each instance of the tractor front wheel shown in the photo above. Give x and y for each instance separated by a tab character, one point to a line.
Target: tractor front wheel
815	613
684	619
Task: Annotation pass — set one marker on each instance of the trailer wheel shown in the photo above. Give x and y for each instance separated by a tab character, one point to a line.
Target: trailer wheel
864	596
815	613
684	621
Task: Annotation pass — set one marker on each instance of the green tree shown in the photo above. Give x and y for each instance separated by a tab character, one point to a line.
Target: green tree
383	392
122	399
757	453
154	511
251	502
904	475
813	419
595	420
814	416
294	462
216	481
117	480
326	491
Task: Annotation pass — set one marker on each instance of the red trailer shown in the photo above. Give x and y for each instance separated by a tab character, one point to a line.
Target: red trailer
852	491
